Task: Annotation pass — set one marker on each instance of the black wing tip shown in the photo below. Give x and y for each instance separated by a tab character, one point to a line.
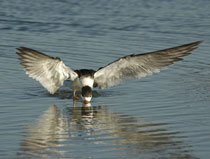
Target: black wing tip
192	46
18	53
198	42
195	43
189	45
22	49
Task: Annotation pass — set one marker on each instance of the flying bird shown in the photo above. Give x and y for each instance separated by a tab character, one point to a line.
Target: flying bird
52	72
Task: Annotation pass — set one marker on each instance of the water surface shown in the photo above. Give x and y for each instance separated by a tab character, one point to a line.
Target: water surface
161	116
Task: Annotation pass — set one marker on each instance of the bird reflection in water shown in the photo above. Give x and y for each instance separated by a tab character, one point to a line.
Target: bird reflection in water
43	138
57	134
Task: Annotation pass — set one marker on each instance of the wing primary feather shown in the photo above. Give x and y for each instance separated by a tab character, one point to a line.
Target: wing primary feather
49	71
139	65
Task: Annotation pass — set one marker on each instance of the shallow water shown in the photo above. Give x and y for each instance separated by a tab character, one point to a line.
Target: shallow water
161	116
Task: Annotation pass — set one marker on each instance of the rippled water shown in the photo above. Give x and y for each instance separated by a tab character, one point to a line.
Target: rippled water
161	116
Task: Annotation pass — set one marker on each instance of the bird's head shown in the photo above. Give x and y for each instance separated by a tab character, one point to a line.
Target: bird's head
86	94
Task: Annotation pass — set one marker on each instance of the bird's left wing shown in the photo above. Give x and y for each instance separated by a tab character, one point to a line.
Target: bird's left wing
140	65
49	71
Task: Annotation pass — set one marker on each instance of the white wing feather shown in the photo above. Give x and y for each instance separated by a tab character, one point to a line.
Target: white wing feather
140	65
50	72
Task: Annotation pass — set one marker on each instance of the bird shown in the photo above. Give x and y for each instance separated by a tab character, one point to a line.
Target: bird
51	72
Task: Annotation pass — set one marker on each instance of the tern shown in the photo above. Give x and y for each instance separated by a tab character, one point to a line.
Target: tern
52	72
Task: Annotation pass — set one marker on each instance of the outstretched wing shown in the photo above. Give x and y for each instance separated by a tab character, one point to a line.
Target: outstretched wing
49	71
140	65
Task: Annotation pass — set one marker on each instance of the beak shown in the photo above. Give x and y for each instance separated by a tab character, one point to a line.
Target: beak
85	101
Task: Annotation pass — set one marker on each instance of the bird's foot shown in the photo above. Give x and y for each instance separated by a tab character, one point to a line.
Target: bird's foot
75	98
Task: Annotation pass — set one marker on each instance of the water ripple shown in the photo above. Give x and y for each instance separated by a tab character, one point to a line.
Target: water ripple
99	128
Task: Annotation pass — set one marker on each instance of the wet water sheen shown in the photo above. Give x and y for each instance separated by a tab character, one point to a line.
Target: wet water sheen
161	116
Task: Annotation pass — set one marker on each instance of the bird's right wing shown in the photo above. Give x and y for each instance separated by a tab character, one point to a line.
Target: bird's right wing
49	71
140	65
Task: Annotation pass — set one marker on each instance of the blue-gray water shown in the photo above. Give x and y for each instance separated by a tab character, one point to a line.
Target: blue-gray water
166	115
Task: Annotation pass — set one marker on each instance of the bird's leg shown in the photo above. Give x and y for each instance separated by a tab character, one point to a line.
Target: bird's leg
74	96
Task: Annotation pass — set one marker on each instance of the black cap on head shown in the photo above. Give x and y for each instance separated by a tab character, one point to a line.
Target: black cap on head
86	91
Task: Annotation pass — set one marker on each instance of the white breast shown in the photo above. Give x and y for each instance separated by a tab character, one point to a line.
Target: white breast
87	81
